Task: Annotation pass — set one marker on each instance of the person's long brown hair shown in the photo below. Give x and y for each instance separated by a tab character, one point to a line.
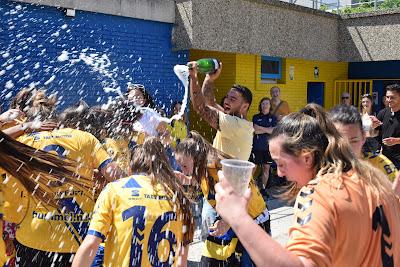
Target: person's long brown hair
311	130
38	171
41	107
150	158
201	151
74	116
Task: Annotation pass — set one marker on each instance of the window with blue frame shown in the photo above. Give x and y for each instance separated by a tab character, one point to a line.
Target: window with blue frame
271	68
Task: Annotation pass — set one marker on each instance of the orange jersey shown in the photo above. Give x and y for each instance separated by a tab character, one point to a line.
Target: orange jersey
346	224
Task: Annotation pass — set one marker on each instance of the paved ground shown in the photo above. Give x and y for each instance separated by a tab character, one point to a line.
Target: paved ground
281	219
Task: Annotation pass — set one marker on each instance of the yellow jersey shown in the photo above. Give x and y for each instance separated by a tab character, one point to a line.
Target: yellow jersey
137	139
118	150
256	204
16	199
3	257
222	248
380	161
234	137
138	223
178	132
62	229
14	204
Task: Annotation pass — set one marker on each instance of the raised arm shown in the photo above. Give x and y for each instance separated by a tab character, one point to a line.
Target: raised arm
28	127
208	90
208	113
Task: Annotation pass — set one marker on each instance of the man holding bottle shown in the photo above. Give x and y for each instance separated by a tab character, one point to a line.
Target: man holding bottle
387	122
234	132
234	137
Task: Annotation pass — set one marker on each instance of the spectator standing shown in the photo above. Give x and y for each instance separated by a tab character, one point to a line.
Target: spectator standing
279	108
234	132
388	124
366	110
263	123
367	105
384	102
346	99
348	122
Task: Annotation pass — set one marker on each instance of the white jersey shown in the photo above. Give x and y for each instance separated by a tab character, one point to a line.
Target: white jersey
148	123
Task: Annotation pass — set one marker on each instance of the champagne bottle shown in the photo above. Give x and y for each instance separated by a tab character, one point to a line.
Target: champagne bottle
207	65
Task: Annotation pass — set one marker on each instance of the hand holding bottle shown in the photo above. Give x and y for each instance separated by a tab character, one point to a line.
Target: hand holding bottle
205	65
213	76
192	65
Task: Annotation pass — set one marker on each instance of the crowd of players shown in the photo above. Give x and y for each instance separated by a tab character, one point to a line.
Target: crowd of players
115	185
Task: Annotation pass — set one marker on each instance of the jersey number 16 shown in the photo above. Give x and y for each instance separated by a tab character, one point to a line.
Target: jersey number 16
155	238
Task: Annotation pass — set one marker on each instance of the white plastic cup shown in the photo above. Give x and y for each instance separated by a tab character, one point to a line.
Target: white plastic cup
366	122
238	173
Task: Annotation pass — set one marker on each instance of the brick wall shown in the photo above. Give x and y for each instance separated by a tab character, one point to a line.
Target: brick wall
32	37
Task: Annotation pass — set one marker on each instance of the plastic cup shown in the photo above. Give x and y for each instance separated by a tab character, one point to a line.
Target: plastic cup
238	173
366	123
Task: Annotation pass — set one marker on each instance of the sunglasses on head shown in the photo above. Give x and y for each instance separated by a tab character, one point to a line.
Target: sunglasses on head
137	85
134	86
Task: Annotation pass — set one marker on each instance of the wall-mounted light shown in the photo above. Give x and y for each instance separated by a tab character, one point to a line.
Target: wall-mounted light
69	12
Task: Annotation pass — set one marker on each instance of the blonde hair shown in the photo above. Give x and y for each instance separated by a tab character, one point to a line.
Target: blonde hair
150	158
311	130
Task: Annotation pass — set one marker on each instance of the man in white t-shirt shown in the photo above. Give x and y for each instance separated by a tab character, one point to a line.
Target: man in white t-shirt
234	132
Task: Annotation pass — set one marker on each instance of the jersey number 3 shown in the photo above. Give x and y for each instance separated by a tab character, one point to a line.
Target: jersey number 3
379	219
155	238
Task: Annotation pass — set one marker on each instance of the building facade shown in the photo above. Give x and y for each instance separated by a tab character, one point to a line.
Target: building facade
87	55
87	49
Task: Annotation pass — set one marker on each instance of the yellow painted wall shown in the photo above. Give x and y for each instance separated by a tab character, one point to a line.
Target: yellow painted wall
245	69
248	73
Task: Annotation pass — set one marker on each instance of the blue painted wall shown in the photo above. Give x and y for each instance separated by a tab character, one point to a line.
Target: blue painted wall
32	37
382	72
374	70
